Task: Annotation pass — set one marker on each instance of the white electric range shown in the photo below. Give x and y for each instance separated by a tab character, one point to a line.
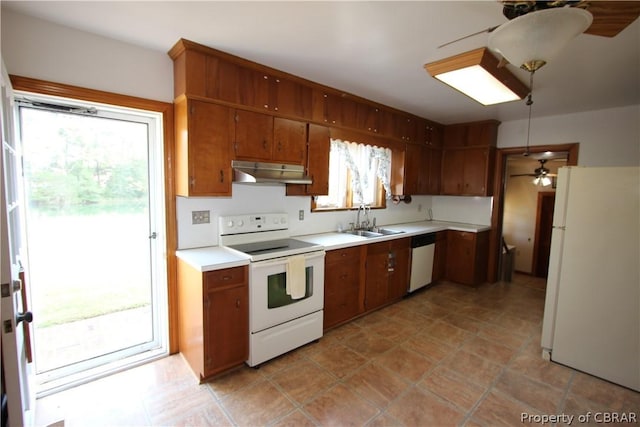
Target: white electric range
280	319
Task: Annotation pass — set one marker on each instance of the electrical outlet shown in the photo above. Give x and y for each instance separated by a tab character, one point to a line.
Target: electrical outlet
301	215
200	217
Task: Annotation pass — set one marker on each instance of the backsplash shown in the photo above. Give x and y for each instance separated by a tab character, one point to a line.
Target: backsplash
271	198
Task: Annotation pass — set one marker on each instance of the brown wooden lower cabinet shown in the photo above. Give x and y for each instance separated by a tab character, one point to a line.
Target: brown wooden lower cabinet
342	290
440	257
467	257
363	278
213	318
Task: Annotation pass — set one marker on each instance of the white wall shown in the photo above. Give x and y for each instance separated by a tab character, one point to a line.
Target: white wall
271	198
43	50
607	137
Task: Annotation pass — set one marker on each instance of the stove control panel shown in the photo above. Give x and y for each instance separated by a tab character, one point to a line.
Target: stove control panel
251	223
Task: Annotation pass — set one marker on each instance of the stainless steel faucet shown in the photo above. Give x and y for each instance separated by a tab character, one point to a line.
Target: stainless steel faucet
366	209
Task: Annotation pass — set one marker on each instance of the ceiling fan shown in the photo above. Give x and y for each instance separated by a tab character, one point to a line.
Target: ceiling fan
540	172
609	17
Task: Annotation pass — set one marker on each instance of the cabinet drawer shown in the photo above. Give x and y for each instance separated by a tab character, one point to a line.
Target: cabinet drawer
225	277
466	236
349	255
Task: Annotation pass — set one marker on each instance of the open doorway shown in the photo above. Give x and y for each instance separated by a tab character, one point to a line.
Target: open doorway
500	185
94	200
528	209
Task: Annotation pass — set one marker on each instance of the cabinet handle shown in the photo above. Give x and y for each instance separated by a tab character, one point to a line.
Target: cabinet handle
264	144
279	146
221	176
226	277
237	303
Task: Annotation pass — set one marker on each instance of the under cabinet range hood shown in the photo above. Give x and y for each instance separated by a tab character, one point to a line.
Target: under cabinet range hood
268	173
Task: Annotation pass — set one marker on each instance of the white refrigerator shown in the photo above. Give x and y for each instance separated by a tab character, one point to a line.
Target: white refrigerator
592	307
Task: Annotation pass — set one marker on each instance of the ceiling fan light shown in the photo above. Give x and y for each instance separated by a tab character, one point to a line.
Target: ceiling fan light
478	75
530	41
543	181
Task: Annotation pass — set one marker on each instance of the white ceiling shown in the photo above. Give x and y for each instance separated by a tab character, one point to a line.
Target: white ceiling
373	49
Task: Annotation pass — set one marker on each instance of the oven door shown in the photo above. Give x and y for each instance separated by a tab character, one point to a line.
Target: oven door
269	303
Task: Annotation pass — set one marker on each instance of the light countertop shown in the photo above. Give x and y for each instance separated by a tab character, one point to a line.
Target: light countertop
212	258
218	257
336	240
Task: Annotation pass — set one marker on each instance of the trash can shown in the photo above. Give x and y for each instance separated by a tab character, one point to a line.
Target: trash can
508	262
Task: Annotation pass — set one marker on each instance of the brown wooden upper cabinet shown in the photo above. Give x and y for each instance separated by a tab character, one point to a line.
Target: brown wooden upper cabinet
482	134
263	137
402	126
317	167
203	159
468	158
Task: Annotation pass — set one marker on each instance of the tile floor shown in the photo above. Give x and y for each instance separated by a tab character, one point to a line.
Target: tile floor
449	355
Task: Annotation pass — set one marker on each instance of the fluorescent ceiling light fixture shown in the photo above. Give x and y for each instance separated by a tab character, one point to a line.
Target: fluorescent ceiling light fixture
478	75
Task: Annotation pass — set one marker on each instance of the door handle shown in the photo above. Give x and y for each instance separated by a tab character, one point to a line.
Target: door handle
26	316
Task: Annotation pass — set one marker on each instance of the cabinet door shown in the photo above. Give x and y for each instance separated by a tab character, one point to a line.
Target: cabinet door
399	267
417	169
342	286
253	88
461	257
482	134
207	141
440	256
452	172
332	109
475	171
289	141
318	149
377	276
455	136
291	98
435	171
368	117
222	80
254	136
226	328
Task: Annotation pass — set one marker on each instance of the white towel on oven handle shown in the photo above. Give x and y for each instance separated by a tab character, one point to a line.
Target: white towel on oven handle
296	276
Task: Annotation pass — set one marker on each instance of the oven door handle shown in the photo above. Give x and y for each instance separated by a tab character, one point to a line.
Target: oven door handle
283	260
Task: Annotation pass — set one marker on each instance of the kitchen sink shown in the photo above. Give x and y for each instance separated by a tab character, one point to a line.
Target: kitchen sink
365	233
386	232
378	233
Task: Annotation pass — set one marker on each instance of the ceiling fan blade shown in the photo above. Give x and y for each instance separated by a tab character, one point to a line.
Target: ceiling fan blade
487	30
524	174
611	17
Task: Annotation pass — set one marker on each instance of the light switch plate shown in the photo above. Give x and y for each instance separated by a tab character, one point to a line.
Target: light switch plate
301	214
200	217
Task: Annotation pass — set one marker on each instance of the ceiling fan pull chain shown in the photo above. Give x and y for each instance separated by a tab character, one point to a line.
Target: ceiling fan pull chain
529	103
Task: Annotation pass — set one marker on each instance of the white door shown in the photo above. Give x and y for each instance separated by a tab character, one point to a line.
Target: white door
20	399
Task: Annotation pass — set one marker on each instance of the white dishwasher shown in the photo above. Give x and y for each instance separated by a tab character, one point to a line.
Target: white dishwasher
422	252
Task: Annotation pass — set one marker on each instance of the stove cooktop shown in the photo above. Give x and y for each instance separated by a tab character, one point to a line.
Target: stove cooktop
275	248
